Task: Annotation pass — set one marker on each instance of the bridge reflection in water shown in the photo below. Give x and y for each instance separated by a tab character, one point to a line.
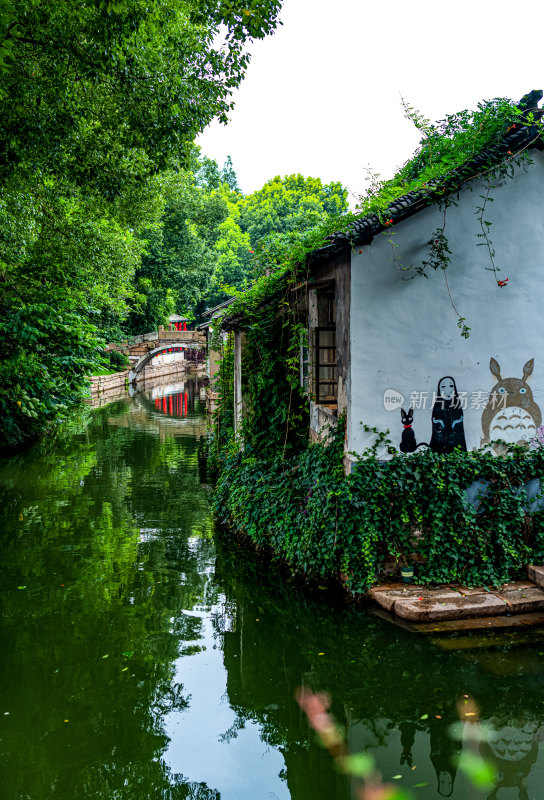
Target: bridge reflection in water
178	399
175	405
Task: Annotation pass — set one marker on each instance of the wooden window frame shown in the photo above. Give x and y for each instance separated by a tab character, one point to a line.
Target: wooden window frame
330	400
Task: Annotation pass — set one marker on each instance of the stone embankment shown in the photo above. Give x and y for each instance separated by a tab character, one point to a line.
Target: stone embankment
106	388
455	608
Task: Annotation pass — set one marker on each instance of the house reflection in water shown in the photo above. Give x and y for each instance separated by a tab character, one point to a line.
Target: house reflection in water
177	399
175	405
416	704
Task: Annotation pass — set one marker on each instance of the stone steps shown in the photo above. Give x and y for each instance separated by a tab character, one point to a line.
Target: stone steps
465	608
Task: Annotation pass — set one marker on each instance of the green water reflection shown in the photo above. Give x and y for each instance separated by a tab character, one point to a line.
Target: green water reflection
141	659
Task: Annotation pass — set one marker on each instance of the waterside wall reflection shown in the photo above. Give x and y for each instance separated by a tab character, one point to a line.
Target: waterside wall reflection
142	659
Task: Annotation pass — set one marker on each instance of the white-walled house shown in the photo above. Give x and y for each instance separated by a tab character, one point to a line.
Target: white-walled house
459	351
385	338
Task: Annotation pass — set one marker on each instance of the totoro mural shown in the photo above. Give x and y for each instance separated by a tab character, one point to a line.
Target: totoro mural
511	413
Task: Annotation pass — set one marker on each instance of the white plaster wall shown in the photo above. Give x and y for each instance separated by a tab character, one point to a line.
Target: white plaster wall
404	334
167	358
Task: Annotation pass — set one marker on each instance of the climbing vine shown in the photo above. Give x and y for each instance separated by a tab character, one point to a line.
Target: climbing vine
293	497
439	170
358	528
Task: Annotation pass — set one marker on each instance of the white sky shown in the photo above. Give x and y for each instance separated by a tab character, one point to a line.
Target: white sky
322	95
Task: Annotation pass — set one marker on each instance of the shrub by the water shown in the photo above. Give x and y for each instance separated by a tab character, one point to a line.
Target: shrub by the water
329	525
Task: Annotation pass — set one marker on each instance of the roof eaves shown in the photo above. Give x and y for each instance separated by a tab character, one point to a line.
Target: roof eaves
363	230
519	137
211	312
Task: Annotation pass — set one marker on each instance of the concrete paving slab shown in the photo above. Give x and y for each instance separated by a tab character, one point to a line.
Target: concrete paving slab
523	599
464	607
386	595
517	585
536	574
481	623
469	591
448	605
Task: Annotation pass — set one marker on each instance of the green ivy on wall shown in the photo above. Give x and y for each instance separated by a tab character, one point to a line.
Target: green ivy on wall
294	499
356	528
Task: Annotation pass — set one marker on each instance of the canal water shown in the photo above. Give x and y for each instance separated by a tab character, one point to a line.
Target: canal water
142	656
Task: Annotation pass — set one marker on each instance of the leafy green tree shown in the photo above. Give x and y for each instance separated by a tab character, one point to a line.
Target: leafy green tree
293	203
98	98
96	87
233	268
228	175
263	226
65	275
180	256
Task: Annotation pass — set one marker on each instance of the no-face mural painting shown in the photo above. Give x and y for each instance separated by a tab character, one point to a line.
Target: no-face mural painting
511	413
447	418
447	422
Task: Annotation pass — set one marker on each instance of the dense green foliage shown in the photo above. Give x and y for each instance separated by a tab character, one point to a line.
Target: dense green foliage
294	498
263	226
179	257
332	526
101	103
444	146
102	88
293	203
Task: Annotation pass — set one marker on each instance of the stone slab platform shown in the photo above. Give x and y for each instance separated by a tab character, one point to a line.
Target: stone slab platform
421	605
536	574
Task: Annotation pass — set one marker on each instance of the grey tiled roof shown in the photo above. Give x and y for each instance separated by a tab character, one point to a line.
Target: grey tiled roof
519	137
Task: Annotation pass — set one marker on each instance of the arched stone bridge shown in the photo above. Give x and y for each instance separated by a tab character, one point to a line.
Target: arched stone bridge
141	349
